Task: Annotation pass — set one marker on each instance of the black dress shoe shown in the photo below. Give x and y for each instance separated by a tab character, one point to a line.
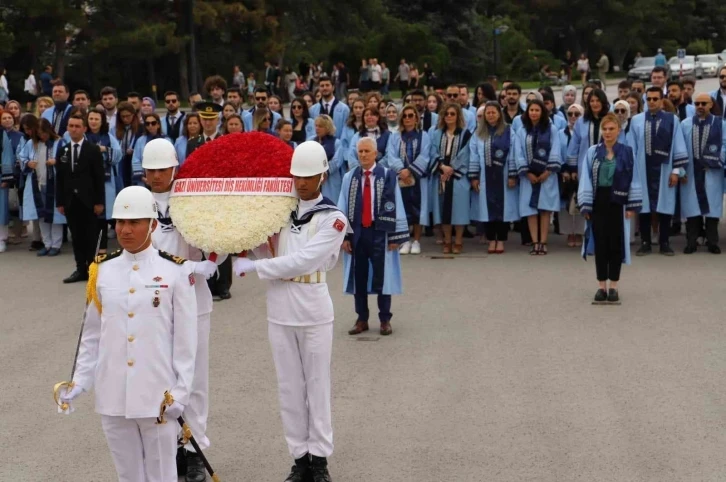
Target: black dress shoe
714	249
690	249
36	245
196	472
300	472
601	296
613	296
319	468
76	277
224	295
181	462
644	250
666	250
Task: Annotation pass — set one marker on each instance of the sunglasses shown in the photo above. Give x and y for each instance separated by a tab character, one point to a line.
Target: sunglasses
722	77
652	99
296	107
450	114
409	116
573	114
702	104
267	119
260	98
152	123
452	96
620	111
171	101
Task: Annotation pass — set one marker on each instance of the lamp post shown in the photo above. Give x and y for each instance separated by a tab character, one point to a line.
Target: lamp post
496	33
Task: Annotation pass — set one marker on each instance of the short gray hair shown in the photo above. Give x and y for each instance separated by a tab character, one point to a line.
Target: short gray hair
368	140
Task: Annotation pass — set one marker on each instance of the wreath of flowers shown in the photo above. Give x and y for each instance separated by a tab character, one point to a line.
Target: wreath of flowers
233	224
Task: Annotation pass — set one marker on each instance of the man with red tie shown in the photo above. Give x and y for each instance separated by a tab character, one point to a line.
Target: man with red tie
371	199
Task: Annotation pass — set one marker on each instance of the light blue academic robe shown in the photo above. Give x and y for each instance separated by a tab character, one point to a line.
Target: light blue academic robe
340	115
392	276
714	182
462	187
113	151
27	154
549	197
249	114
586	194
345	139
419	168
7	165
636	140
180	145
469	120
136	169
50	112
478	151
558	121
352	156
331	186
580	143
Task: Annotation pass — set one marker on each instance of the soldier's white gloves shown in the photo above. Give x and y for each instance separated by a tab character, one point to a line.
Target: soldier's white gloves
174	411
68	397
205	268
243	265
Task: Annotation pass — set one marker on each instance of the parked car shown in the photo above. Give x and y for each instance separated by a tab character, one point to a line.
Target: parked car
710	64
642	68
686	66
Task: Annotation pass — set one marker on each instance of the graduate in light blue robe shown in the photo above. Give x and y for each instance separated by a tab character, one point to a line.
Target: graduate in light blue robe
469	120
411	150
331	186
537	151
308	128
338	111
247	118
450	203
7	176
371	266
111	159
587	131
660	152
702	194
381	136
58	121
180	146
40	200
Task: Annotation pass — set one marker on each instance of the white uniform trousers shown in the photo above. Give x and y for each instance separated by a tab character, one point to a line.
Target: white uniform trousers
52	235
142	451
197	410
302	360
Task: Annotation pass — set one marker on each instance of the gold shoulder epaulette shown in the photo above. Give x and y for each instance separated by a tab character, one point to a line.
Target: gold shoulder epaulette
171	257
105	257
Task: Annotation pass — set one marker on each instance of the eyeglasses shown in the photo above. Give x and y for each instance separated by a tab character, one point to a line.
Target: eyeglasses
450	114
701	104
409	116
171	101
152	123
573	114
261	98
620	111
652	99
296	107
452	96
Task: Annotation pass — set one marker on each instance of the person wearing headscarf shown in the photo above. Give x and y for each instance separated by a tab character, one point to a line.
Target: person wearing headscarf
148	106
569	97
569	216
392	116
621	109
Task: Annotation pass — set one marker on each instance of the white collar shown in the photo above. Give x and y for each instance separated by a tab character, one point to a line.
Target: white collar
372	168
140	256
80	143
305	206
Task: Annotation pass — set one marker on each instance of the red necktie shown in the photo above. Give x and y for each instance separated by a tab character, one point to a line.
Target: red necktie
367	208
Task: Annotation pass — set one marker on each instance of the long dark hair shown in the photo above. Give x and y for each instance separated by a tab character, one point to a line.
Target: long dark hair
31	122
489	93
45	126
603	98
544	120
305	111
185	127
482	130
104	122
382	125
158	123
126	107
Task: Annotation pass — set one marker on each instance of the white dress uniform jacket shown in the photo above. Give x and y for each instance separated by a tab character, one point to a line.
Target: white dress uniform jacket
140	334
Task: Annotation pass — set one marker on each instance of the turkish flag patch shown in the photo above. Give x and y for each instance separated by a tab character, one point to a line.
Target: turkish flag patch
339	225
191	279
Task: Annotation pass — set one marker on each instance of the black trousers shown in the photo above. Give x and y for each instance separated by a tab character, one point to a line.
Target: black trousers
84	227
363	251
607	229
694	228
664	228
222	284
403	85
677	212
496	230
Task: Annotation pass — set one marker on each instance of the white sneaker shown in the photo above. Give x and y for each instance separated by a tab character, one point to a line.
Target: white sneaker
3	246
405	248
111	233
415	247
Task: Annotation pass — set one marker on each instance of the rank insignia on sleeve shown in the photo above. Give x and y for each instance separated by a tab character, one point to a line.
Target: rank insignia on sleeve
191	279
339	225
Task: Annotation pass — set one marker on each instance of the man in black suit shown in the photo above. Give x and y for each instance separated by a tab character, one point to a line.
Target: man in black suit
81	194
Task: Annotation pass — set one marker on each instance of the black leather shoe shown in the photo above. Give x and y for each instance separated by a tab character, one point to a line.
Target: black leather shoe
196	472
224	295
319	468
601	296
76	277
181	462
300	472
690	249
714	249
666	250
36	245
613	296
645	249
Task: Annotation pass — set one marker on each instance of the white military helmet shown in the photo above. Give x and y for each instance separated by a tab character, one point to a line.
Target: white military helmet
134	202
159	154
309	159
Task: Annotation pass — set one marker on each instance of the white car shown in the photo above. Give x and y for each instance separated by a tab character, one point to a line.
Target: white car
710	63
685	67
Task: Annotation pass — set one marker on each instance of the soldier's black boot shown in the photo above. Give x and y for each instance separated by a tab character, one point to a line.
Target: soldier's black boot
300	472
319	467
181	462
196	472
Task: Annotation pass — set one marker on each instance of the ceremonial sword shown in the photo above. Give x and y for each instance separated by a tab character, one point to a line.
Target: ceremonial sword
187	435
69	384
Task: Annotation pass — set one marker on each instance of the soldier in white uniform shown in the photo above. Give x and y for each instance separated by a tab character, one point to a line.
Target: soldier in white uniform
300	313
159	161
139	341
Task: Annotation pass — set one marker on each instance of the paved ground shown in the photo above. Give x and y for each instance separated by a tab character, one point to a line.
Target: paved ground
499	370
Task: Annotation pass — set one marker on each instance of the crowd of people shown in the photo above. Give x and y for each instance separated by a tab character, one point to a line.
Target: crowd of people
478	166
